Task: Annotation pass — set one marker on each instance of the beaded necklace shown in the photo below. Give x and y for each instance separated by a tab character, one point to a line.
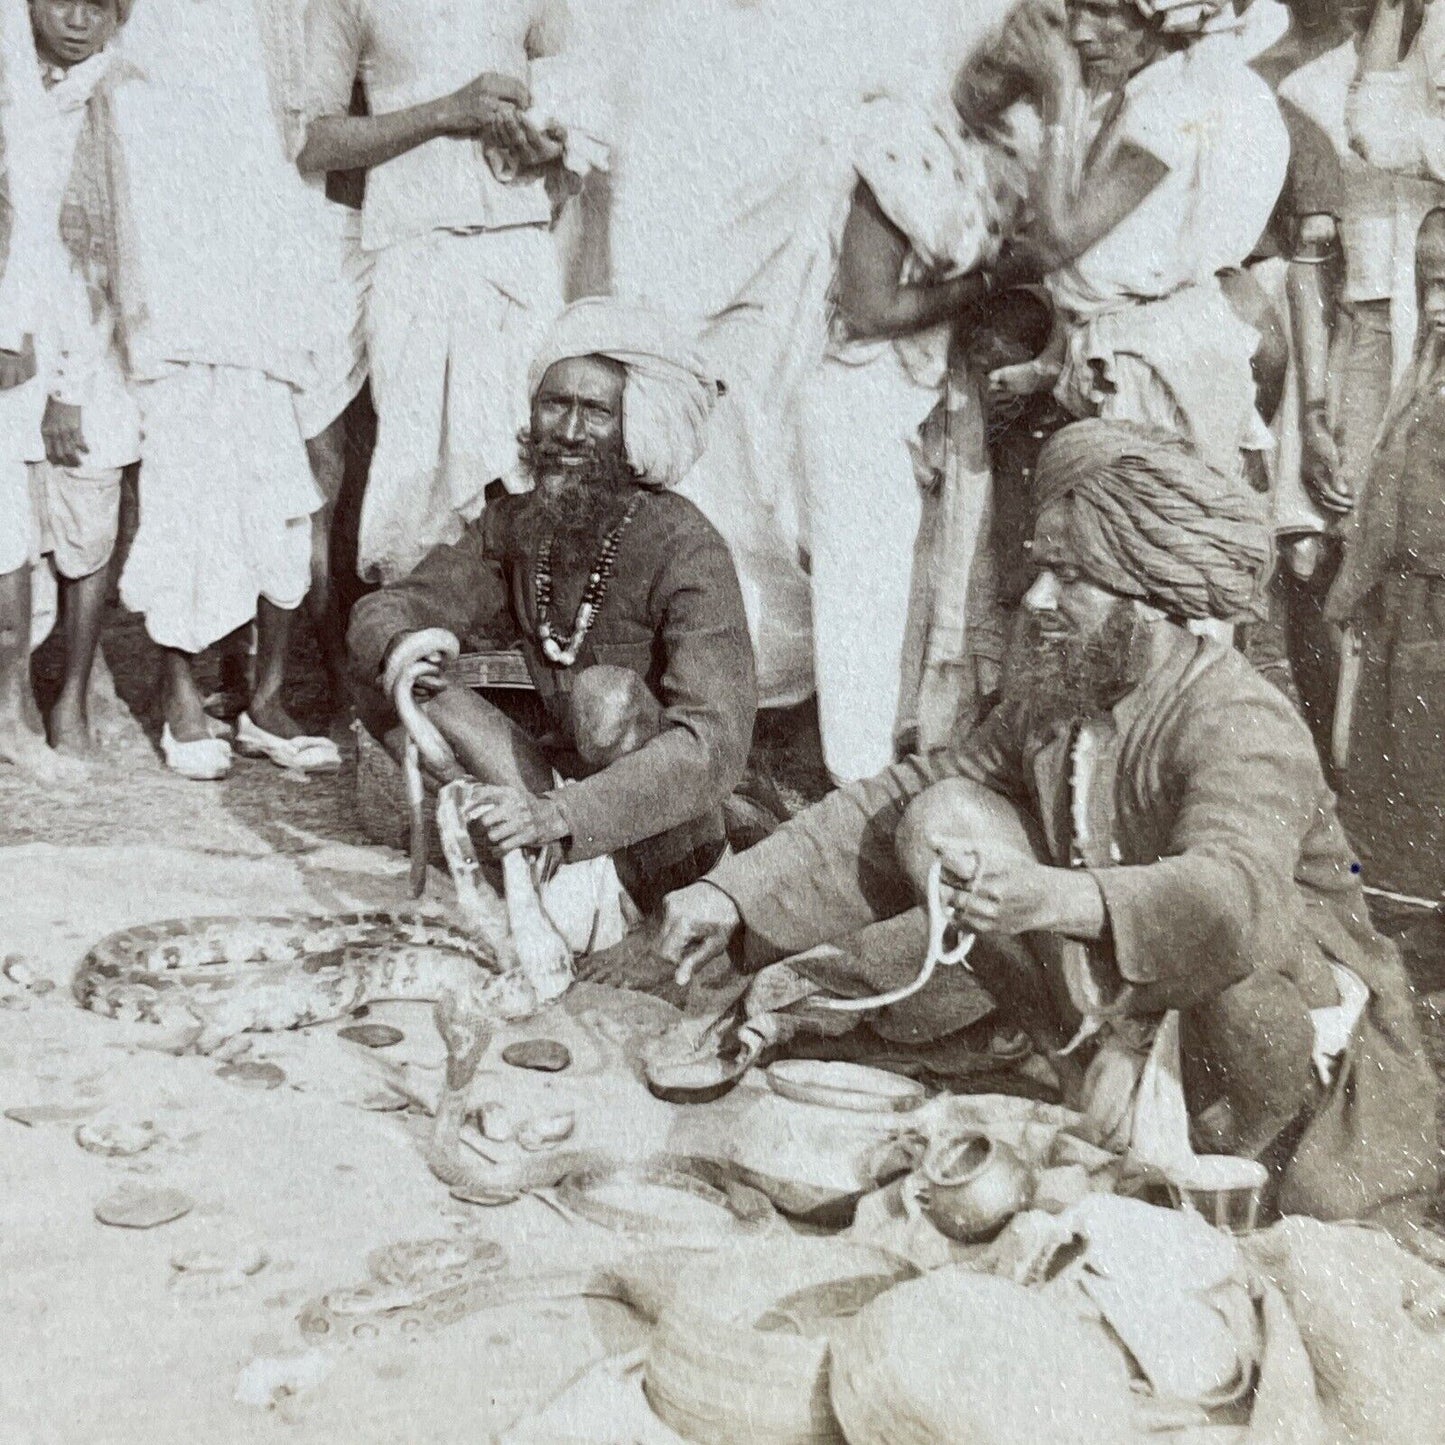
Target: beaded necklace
593	594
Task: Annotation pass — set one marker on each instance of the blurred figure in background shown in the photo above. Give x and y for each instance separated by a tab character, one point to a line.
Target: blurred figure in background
1163	157
1355	295
1390	593
730	213
892	435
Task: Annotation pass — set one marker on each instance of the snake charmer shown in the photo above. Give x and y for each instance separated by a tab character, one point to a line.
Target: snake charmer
1139	830
630	617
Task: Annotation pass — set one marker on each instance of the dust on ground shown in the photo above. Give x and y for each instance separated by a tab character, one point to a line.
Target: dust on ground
106	1338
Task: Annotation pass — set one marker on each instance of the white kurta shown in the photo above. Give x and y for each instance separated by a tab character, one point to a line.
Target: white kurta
222	313
465	274
339	347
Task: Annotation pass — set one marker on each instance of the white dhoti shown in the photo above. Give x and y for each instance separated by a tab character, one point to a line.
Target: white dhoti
339	354
745	485
21	409
863	508
226	497
453	322
1178	363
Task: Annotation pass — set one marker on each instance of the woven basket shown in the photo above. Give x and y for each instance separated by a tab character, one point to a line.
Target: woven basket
740	1354
959	1358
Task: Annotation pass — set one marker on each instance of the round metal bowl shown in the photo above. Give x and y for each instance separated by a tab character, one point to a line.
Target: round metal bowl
855	1087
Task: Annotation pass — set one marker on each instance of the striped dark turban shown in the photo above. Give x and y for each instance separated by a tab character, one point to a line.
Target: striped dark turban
1151	520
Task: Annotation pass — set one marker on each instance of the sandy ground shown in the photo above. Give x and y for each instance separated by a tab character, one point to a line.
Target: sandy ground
106	1340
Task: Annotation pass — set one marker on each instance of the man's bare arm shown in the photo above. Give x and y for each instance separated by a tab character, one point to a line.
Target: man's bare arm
1067	225
1382	46
1311	325
1069	216
872	296
486	108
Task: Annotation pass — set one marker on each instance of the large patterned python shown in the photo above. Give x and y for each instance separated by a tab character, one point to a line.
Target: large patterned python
232	975
219	977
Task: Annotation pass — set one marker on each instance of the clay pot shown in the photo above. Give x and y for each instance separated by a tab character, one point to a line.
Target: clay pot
973	1185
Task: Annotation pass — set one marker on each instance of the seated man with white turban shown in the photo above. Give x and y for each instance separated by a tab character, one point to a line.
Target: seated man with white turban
1142	841
628	607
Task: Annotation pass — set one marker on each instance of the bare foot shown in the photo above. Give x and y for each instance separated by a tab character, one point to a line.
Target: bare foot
70	731
268	714
109	717
30	753
188	720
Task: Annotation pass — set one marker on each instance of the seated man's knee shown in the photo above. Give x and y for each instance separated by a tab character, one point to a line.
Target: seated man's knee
1248	1056
958	816
612	713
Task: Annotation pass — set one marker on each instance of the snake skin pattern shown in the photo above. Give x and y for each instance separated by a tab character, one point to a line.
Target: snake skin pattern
235	975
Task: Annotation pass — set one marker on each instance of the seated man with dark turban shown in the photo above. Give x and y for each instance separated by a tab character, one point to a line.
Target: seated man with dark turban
1141	838
630	616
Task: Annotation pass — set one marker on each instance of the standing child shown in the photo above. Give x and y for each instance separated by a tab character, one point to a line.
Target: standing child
67	426
1390	594
90	428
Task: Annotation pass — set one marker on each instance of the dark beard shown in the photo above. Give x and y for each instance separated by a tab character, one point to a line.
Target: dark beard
1066	680
575	511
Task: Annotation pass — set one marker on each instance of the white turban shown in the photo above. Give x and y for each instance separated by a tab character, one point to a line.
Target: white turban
670	389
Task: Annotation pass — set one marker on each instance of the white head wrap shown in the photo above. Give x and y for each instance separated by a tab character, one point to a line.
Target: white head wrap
670	389
1191	17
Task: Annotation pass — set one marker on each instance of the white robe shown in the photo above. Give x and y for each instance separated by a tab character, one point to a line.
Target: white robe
223	300
729	172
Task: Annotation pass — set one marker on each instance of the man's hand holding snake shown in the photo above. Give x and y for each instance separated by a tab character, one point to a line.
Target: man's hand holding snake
434	646
1006	892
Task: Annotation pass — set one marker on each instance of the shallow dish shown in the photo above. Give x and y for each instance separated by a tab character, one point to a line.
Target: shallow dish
661	1194
855	1087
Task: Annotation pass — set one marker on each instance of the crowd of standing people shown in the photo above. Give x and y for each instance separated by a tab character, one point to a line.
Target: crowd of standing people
1051	389
905	262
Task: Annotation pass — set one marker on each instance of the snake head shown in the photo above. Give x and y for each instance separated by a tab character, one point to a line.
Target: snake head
466	1031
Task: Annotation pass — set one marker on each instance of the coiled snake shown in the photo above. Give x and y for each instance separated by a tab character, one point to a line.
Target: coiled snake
224	976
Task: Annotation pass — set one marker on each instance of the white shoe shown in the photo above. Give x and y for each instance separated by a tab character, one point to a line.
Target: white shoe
204	761
305	754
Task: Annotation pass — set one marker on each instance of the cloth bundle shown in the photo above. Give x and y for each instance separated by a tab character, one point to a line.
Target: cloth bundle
562	100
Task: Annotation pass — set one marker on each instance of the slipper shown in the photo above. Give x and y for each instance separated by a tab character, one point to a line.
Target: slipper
305	754
204	760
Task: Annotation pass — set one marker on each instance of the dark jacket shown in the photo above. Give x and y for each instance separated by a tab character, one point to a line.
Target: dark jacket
673	614
1231	862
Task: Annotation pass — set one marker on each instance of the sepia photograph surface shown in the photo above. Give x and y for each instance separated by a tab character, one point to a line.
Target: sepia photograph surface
721	722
